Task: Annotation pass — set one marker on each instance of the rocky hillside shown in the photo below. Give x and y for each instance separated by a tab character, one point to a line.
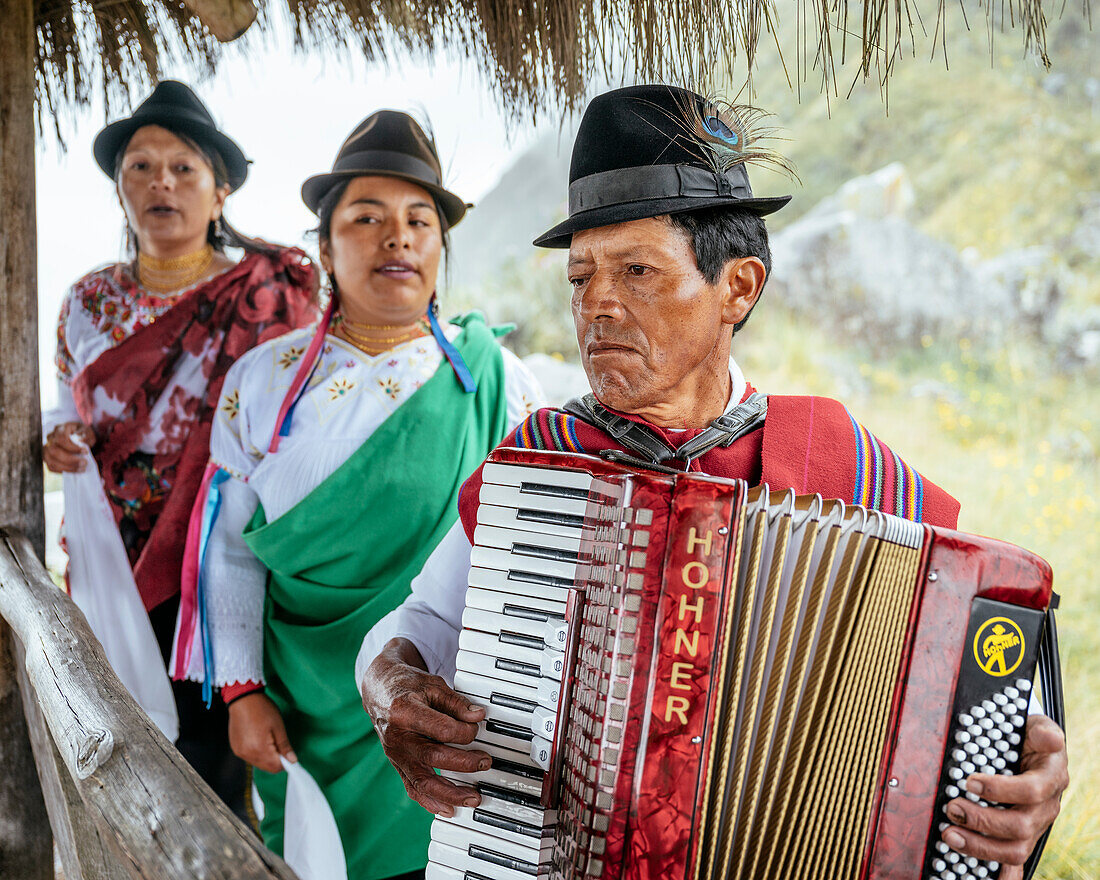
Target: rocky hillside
998	165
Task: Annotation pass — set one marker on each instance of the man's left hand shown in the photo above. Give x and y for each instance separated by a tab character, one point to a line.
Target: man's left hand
1031	801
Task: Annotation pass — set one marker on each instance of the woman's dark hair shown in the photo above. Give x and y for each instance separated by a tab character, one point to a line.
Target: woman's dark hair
721	234
327	207
220	235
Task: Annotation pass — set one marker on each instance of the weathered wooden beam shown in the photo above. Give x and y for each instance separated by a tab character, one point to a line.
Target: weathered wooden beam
138	790
83	852
26	849
225	19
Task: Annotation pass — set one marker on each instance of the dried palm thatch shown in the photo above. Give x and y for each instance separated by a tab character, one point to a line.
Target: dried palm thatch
537	53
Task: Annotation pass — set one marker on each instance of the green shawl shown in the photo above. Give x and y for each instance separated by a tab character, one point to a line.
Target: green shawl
342	559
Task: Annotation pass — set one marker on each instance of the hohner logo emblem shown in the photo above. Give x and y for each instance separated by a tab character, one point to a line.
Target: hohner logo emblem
999	646
695	576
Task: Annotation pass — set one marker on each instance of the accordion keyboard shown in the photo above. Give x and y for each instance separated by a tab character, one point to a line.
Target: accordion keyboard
511	660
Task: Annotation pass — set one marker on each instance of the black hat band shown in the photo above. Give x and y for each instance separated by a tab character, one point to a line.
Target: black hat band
647	182
386	160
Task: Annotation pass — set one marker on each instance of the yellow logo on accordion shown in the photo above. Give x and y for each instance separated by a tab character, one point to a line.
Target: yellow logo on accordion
999	646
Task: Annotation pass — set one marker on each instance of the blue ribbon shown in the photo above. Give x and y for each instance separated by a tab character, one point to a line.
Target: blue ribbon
284	428
209	516
457	363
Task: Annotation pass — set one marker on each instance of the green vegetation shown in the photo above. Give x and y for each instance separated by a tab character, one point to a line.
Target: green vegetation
1002	154
1017	442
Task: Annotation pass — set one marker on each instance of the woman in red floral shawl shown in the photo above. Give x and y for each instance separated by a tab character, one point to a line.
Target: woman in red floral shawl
143	348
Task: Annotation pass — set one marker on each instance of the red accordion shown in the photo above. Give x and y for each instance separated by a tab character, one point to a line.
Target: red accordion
688	679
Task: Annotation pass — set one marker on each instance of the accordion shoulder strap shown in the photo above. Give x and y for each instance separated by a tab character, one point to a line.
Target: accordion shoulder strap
652	449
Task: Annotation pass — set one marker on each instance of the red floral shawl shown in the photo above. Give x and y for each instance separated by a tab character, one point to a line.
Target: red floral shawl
151	494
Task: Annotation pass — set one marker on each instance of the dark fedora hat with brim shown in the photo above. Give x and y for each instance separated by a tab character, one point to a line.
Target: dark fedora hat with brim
388	144
178	109
635	156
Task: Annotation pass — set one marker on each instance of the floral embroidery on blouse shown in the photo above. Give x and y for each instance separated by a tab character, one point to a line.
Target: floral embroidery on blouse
231	404
114	304
66	364
390	387
291	356
339	388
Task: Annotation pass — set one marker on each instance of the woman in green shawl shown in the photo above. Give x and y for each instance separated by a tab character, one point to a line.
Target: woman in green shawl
336	459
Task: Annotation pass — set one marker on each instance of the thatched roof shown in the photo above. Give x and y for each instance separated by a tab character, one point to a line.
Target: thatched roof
537	53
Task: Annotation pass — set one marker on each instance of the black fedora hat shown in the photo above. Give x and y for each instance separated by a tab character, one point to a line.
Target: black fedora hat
637	155
175	107
388	144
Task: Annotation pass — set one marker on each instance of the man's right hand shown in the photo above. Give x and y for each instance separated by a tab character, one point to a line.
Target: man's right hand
415	715
257	734
60	453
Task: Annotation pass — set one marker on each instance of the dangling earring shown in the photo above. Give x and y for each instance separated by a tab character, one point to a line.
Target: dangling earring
219	230
329	292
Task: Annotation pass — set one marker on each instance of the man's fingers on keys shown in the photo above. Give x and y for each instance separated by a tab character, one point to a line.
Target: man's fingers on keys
447	700
1019	824
444	757
436	794
971	843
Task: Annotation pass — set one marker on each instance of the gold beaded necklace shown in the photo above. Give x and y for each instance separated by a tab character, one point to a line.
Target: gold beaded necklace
167	276
372	345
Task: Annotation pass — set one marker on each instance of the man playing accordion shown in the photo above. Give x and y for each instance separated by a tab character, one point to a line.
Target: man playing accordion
668	254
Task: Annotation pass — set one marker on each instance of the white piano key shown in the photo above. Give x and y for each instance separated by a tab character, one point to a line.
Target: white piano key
484	643
491	622
462	861
543	722
521	582
541	750
518	807
508	736
502	752
512	496
539	842
462	837
518	474
501	778
497	667
510	603
542	522
506	560
507	539
442	872
545	693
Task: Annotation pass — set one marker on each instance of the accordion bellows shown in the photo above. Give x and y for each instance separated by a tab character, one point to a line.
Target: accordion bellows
688	678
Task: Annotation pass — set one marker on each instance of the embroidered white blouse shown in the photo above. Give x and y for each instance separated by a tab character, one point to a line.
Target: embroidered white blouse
349	395
98	312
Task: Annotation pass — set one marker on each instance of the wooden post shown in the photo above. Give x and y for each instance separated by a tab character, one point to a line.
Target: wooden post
20	417
26	845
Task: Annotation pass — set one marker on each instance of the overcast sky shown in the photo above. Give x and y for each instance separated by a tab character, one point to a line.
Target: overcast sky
290	113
